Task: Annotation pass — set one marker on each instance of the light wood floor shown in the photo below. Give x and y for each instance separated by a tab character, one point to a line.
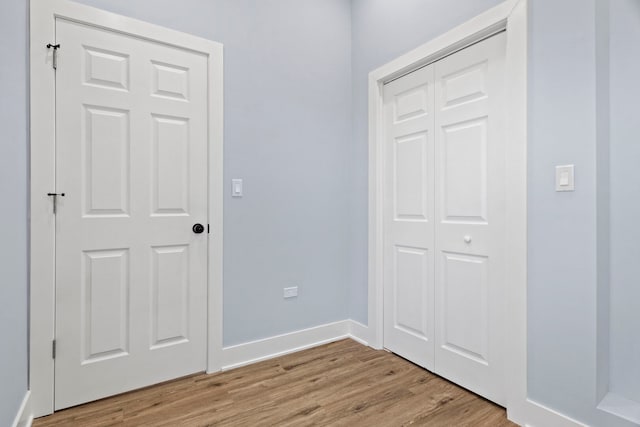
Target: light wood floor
338	384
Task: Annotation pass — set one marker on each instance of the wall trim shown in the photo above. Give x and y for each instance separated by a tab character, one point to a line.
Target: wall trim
24	417
539	415
359	332
43	15
267	348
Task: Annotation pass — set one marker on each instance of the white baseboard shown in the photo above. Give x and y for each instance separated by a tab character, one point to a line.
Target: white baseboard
529	414
256	351
533	414
359	332
24	417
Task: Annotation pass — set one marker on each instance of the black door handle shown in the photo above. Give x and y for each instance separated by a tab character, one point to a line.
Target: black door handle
198	228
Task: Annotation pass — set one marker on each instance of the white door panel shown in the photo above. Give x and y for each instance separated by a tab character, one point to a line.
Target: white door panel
470	174
131	158
408	238
444	217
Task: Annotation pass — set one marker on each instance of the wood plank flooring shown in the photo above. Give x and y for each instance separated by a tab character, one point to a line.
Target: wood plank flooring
339	384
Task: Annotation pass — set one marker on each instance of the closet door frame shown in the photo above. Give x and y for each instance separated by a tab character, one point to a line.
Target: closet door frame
511	17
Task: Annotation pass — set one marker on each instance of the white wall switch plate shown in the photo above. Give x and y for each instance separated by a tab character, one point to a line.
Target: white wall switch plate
291	292
564	178
236	187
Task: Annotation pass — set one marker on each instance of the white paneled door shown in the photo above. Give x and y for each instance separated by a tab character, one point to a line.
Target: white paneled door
131	160
445	217
409	217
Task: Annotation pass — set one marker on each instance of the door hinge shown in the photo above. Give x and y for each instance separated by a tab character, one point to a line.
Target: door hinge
208	231
53	349
55	200
55	48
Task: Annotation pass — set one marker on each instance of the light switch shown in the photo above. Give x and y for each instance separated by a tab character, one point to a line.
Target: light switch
564	178
236	188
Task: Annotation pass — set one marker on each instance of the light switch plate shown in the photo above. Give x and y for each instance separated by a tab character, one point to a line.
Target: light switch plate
291	292
564	178
236	187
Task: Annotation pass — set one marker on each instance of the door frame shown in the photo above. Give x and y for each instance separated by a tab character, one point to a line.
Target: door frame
43	14
510	16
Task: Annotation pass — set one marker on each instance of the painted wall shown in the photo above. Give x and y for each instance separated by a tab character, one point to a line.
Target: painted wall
381	31
287	133
13	215
583	319
562	226
625	198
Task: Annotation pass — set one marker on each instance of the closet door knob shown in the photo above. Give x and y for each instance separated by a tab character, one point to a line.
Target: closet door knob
467	239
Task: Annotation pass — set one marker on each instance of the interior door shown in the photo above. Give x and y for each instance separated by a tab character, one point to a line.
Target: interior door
470	217
444	217
131	160
409	217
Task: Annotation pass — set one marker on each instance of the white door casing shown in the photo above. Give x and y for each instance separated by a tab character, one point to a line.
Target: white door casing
470	218
445	217
168	252
409	217
131	158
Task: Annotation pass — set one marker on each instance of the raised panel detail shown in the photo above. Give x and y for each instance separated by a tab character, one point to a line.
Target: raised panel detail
106	69
170	165
105	304
465	305
170	81
465	172
106	168
411	104
411	177
170	287
410	289
465	85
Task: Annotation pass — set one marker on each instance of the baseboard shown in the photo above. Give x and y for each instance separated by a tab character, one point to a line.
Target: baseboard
534	414
24	417
268	348
359	332
621	407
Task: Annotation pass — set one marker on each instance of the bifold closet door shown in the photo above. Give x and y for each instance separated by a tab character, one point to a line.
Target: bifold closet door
470	218
445	215
409	217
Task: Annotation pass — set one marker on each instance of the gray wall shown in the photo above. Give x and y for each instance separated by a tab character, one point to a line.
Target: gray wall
562	248
287	134
582	303
381	31
625	198
13	219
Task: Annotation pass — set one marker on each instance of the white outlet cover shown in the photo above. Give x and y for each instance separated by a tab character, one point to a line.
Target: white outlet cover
565	178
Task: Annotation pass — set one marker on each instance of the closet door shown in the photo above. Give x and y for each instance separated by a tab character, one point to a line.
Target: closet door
470	218
409	217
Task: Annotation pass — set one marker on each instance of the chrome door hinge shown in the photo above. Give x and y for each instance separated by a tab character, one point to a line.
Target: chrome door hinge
55	48
53	349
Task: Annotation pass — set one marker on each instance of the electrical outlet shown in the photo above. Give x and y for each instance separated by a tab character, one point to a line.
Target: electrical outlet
291	292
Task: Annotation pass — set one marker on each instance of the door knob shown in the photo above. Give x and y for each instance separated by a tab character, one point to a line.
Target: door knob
198	228
467	239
